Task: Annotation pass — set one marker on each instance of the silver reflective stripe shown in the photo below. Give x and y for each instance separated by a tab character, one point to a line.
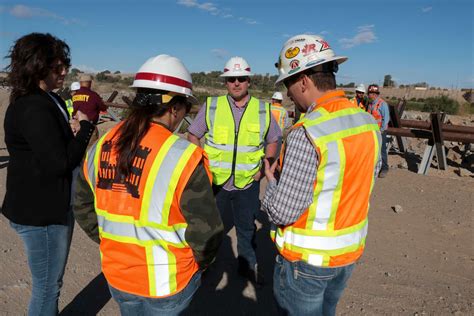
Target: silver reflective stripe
323	242
245	166
141	233
161	269
212	117
230	148
220	164
162	181
332	173
228	165
313	115
262	113
90	165
340	123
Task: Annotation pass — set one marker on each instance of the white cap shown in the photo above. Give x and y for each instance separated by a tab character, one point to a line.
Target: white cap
277	96
75	86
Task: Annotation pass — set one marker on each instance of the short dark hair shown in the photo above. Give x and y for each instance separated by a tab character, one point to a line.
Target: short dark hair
31	60
324	81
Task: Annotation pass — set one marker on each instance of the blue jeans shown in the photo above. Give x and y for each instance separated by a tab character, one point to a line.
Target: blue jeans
131	304
302	289
244	206
384	153
47	249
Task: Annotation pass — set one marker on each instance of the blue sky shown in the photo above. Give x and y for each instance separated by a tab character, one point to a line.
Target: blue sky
412	40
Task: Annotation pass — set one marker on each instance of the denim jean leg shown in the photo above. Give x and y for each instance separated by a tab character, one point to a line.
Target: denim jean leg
47	249
246	204
335	289
301	287
384	153
224	205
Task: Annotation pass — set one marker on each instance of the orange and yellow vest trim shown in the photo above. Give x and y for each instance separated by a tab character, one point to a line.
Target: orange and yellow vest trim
280	115
141	227
332	230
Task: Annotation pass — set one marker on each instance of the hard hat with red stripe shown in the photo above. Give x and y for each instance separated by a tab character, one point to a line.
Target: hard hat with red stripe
168	73
236	67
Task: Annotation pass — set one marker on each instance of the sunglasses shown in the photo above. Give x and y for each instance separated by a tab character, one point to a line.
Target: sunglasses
240	79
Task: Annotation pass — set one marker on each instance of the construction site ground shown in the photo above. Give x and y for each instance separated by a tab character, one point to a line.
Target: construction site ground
418	260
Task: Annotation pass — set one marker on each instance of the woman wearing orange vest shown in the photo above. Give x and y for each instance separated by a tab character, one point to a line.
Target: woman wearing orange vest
155	215
321	200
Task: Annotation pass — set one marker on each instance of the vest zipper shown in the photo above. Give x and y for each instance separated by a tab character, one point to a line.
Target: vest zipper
236	138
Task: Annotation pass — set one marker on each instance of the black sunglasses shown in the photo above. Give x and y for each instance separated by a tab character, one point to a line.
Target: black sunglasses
240	79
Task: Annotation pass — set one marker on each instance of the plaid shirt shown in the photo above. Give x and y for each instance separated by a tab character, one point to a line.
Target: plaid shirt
285	201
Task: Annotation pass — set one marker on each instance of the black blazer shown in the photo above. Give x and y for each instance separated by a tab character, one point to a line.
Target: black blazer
43	153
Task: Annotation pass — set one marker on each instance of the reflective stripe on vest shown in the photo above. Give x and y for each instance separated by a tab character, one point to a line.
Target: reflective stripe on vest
232	152
357	103
279	112
375	111
144	251
318	237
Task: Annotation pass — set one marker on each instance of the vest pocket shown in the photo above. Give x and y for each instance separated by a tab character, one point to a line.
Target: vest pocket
221	135
253	134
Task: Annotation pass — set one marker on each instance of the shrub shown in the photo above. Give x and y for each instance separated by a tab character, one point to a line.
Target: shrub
441	104
420	100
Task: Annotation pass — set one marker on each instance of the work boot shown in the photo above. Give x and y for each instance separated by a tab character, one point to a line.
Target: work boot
383	173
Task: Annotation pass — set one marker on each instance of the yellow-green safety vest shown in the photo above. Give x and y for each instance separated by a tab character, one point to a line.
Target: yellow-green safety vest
232	151
69	106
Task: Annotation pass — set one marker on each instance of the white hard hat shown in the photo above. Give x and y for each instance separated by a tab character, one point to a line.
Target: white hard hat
75	86
236	67
302	52
277	96
164	72
361	88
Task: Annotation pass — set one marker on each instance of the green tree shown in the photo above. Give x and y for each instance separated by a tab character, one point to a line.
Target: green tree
441	104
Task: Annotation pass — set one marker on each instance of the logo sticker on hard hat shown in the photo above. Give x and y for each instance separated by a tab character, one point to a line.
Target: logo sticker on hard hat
324	45
236	66
292	52
294	63
308	49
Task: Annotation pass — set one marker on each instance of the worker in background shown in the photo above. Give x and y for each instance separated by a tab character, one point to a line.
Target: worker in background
145	195
360	99
69	104
379	110
279	112
239	131
89	102
321	200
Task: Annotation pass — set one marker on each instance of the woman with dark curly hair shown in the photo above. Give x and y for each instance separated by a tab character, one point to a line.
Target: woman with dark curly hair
43	152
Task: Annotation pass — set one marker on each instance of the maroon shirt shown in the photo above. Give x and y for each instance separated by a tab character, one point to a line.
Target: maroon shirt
89	103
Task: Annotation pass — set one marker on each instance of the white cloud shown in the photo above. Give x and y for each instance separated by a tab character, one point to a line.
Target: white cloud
365	35
426	9
220	53
25	12
213	9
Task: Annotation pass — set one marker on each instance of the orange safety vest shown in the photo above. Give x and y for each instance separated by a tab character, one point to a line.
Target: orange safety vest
332	230
141	226
375	111
358	104
280	114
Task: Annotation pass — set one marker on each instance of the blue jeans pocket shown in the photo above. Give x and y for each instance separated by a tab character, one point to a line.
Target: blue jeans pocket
308	280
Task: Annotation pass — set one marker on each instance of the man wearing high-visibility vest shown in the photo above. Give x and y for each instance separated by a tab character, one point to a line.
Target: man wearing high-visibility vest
69	104
360	99
146	193
279	112
320	202
239	131
379	110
